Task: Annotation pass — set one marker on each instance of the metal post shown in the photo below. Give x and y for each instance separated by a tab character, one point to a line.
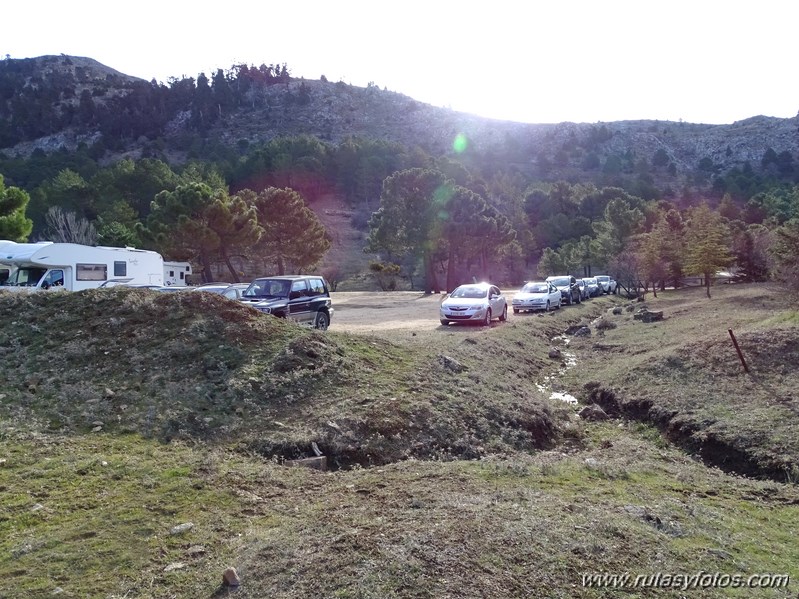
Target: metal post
738	349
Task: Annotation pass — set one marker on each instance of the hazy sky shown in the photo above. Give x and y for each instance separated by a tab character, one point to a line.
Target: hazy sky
538	61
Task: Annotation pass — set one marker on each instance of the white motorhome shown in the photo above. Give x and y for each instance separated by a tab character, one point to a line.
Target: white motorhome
71	266
175	273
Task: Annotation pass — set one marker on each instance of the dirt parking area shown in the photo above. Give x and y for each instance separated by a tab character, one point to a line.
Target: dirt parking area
368	312
389	313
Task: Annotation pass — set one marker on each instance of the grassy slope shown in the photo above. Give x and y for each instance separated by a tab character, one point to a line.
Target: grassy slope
684	375
90	513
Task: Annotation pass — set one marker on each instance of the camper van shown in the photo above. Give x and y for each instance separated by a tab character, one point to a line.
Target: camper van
175	273
48	265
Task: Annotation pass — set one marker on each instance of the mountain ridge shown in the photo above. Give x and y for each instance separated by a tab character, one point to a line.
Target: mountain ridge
334	111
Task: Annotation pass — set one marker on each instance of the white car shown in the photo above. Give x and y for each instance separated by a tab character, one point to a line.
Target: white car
593	287
229	290
478	302
536	296
607	284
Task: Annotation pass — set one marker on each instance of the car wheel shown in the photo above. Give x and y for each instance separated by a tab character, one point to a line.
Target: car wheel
515	311
322	321
444	322
504	316
487	321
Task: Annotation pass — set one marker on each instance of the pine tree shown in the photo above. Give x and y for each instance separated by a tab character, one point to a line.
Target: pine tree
294	237
707	244
786	253
14	225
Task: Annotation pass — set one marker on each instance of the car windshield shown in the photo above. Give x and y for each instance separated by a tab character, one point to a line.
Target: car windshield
535	288
560	281
470	291
26	277
590	281
274	288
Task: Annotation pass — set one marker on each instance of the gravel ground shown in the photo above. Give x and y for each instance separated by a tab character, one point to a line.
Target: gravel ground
369	312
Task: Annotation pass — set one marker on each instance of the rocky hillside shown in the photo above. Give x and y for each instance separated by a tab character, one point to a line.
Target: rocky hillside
335	111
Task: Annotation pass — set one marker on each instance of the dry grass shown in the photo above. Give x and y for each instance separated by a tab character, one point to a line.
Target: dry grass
199	398
684	375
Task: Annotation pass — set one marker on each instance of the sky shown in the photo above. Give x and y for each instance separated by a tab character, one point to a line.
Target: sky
534	61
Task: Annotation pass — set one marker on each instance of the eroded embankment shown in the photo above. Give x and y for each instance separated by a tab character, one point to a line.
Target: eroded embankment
703	401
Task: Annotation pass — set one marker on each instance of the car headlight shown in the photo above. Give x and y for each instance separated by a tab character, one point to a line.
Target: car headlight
266	310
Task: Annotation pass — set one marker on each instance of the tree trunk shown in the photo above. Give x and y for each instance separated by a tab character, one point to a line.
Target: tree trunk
451	271
707	284
232	270
207	278
431	282
281	268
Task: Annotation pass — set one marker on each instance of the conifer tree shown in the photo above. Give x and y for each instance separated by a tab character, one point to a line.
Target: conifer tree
786	253
14	225
197	222
707	244
293	234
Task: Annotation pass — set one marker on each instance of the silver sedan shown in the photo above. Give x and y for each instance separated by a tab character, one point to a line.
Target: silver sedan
537	296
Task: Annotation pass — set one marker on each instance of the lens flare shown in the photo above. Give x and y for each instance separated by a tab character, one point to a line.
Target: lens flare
460	143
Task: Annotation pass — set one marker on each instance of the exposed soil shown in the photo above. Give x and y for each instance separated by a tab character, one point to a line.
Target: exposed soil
369	312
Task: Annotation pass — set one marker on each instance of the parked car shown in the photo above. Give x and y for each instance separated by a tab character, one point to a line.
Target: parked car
567	285
593	286
126	283
478	302
583	289
302	298
536	295
608	285
229	290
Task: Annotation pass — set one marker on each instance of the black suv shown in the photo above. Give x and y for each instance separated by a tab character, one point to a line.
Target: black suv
304	298
569	288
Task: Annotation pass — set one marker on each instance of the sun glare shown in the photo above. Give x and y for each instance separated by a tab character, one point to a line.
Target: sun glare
460	143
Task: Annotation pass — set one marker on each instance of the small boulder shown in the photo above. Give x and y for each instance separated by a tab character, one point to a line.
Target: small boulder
617	310
230	578
583	332
593	412
604	324
653	316
645	315
555	353
174	566
181	528
314	463
451	364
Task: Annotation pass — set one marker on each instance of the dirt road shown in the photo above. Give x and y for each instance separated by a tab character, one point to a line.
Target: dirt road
374	311
381	313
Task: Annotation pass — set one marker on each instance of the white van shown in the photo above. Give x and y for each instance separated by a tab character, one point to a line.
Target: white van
48	265
175	273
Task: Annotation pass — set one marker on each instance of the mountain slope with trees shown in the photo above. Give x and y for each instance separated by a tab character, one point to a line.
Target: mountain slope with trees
510	200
